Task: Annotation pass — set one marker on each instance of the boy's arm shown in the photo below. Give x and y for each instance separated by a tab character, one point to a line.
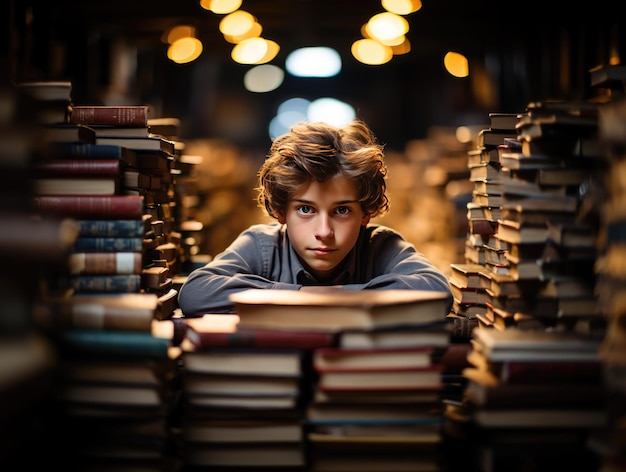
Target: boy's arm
207	288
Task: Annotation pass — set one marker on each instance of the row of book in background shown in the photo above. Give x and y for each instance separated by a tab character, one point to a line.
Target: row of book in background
544	261
97	232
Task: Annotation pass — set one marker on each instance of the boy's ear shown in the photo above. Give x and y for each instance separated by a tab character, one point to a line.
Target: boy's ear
281	219
365	221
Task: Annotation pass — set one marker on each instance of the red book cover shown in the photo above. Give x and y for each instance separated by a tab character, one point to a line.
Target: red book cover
132	115
91	206
80	167
259	338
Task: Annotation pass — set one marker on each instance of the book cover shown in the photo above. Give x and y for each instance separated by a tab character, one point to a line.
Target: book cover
151	142
242	361
86	185
128	115
92	151
117	312
117	262
386	379
67	133
80	167
91	206
435	334
339	309
102	283
240	385
84	244
212	331
242	431
132	228
345	359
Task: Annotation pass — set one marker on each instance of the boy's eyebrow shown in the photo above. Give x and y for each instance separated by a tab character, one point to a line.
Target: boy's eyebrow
310	202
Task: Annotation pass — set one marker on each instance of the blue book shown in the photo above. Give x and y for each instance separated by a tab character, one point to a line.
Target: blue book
108	244
111	228
103	283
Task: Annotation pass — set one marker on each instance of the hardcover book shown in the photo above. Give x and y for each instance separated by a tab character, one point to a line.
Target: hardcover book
120	116
359	359
91	206
338	309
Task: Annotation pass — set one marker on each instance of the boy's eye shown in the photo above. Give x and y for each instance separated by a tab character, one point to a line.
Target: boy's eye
305	209
343	210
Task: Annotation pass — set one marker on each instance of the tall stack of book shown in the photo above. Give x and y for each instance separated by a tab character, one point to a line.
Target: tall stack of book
243	393
534	395
116	377
31	246
374	396
610	268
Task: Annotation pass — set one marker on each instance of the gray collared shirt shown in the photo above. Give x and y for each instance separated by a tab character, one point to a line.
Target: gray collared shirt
263	257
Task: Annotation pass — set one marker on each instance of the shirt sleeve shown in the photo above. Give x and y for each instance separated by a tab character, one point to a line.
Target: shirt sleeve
207	288
398	265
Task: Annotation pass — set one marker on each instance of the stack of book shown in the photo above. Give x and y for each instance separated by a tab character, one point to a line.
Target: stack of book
243	393
530	388
375	396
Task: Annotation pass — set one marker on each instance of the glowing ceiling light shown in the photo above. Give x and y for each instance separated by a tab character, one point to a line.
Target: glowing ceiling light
184	50
313	62
331	110
456	64
387	26
401	7
237	23
220	7
371	52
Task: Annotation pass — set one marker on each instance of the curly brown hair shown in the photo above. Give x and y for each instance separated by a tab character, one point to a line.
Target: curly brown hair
319	151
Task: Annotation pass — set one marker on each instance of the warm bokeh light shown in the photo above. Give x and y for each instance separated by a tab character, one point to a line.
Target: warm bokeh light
253	32
456	64
386	26
313	62
371	52
220	7
263	78
184	50
401	7
179	32
402	48
249	51
237	23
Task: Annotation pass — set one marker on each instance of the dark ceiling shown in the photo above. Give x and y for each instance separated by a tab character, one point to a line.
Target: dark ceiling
518	46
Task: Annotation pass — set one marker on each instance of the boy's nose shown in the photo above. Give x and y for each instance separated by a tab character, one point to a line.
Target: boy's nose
324	227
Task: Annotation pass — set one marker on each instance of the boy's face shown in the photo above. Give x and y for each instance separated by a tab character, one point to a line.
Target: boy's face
323	221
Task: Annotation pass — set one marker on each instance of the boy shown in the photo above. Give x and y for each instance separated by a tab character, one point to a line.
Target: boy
323	185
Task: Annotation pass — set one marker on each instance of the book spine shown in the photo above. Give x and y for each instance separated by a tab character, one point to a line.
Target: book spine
91	206
103	283
135	116
105	263
264	339
115	343
80	167
94	316
90	151
111	228
108	244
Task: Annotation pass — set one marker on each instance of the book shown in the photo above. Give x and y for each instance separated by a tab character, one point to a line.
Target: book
516	233
112	244
122	116
71	151
556	417
345	359
241	361
80	167
246	455
389	379
111	228
435	334
117	344
116	312
326	414
106	185
338	309
91	206
102	283
468	295
209	331
114	131
504	121
517	344
67	133
489	137
149	143
240	385
242	431
117	262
